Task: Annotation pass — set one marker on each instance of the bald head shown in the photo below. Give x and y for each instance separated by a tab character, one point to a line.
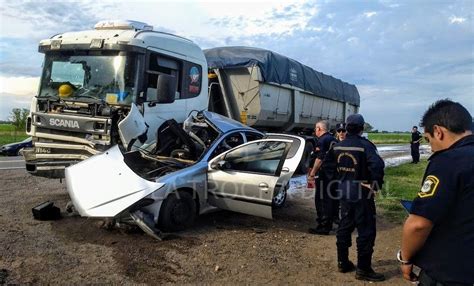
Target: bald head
321	127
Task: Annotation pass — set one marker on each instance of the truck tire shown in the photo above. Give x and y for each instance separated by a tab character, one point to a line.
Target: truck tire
178	212
305	162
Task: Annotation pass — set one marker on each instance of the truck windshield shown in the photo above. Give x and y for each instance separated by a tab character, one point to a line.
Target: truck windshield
102	75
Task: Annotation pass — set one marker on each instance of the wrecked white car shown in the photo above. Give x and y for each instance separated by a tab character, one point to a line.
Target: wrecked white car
209	162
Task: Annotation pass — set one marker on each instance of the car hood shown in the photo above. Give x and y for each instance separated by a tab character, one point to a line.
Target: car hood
104	186
6	146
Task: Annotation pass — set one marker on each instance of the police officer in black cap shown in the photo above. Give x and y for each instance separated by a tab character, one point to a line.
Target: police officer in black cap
438	235
360	172
341	131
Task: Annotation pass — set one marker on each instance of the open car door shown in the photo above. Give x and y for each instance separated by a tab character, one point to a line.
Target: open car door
245	178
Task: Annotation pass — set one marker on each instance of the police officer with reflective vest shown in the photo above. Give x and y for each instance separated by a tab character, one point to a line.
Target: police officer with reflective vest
438	235
415	145
360	172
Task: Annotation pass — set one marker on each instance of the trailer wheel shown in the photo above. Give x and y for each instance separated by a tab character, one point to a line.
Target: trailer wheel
305	162
177	212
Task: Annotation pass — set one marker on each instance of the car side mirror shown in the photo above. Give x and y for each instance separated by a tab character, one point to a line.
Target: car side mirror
166	89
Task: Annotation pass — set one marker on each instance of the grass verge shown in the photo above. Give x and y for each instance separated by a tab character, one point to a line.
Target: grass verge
8	134
389	138
401	182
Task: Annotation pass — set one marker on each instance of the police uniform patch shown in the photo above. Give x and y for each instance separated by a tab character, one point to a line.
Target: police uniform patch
429	187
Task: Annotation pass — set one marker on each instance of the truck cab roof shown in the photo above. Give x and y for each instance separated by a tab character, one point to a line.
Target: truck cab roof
137	37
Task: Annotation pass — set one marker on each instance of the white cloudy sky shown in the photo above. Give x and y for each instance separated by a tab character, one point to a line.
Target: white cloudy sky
402	55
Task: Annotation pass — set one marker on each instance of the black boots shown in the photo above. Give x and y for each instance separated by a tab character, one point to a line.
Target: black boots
319	230
345	266
369	275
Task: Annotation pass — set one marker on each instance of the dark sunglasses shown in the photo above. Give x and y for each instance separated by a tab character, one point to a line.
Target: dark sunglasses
341	130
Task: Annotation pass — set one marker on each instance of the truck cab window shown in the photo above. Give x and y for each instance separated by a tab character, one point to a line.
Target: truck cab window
159	64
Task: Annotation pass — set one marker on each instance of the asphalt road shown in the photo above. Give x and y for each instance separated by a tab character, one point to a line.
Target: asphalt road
394	154
11	163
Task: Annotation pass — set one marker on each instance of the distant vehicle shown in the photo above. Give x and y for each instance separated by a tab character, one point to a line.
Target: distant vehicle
14	149
213	162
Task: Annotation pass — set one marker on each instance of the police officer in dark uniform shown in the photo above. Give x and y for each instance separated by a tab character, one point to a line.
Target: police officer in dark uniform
325	191
341	132
360	172
415	145
438	235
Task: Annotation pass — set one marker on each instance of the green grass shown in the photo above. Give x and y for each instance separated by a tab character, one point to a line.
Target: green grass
8	134
390	138
6	127
401	182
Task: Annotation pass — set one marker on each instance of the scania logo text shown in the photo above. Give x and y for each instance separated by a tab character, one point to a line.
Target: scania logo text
64	123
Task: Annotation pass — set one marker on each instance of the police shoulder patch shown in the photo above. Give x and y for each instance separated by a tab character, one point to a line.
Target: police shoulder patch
429	187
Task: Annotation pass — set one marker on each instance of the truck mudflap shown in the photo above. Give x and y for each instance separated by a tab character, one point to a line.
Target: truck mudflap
104	186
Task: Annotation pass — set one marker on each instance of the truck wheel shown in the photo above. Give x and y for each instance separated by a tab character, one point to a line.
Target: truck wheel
279	199
178	212
305	162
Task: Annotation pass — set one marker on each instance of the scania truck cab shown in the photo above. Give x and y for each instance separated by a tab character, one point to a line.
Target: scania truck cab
92	80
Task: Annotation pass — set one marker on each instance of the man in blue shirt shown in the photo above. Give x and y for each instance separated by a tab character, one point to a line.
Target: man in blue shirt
325	191
438	235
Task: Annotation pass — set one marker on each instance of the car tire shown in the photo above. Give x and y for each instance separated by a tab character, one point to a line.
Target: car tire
305	163
279	199
18	152
178	212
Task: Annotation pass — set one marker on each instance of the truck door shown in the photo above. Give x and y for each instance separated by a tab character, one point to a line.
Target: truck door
245	178
155	114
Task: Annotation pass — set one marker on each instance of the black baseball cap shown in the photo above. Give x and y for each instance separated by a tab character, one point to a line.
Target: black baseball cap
340	126
355	119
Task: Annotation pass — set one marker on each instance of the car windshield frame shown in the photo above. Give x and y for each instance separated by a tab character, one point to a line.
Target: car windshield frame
109	76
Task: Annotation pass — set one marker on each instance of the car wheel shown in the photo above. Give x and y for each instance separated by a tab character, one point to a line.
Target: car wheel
18	152
280	197
305	162
178	212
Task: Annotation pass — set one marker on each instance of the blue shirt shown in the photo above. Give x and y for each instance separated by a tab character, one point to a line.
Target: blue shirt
446	198
324	144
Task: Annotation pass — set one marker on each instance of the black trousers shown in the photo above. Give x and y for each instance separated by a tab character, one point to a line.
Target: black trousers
426	280
326	202
415	152
361	215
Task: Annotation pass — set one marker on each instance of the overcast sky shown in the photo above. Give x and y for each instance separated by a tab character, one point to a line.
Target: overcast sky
402	55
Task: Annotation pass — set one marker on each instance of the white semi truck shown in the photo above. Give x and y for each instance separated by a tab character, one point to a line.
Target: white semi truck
92	80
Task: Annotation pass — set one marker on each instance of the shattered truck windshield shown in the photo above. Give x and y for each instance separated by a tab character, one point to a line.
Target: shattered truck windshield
102	75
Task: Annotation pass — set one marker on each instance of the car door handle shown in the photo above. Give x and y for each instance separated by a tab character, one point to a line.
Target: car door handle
263	185
285	169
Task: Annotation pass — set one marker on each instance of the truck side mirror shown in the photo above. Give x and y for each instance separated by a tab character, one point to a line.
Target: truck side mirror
166	89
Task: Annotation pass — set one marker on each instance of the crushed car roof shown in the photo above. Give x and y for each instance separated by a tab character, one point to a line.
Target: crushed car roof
224	124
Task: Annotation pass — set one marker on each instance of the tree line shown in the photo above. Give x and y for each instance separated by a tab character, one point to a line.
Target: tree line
18	117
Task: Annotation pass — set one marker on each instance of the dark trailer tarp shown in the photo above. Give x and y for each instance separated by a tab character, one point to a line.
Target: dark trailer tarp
283	70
